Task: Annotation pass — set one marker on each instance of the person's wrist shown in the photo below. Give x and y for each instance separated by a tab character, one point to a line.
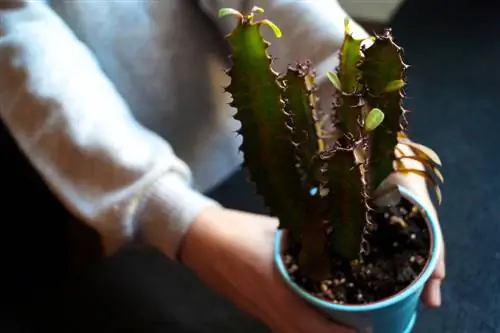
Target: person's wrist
200	237
210	250
214	250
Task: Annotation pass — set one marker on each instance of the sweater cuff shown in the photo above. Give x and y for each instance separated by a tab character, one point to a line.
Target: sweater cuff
171	207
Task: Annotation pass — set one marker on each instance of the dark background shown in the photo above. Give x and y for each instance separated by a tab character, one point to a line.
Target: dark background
454	92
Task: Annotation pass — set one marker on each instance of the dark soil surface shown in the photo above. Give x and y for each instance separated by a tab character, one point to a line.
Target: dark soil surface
399	249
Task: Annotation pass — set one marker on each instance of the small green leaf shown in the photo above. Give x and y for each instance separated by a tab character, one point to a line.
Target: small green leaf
394	85
346	26
229	11
374	118
274	28
334	79
258	10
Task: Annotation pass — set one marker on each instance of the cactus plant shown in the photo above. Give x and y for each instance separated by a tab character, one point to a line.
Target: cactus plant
323	185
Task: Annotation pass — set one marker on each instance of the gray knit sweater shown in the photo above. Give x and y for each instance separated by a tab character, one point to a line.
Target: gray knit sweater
120	107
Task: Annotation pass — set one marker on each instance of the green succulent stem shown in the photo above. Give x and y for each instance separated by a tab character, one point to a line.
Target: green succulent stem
267	143
314	258
301	106
346	198
344	170
348	110
383	79
350	56
301	102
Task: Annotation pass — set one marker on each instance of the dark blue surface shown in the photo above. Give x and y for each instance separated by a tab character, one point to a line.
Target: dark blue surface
454	91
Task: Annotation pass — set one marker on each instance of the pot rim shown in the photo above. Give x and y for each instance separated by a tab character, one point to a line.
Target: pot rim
435	251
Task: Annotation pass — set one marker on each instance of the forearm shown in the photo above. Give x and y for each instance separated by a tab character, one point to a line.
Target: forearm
79	134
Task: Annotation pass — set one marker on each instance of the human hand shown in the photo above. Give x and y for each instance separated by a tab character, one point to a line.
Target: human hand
233	252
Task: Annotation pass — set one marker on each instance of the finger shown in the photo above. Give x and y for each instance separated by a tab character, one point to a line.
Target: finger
432	293
440	271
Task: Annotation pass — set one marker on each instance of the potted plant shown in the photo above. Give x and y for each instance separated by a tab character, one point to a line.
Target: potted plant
353	243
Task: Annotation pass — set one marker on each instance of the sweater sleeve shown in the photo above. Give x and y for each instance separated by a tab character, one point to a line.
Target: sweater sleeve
312	30
79	134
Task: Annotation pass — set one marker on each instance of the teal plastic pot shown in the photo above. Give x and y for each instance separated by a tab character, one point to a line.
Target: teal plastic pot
396	314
